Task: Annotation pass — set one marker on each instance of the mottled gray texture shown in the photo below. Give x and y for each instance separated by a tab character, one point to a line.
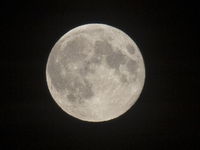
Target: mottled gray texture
96	59
114	60
92	73
132	66
71	97
85	91
73	49
123	78
103	47
86	68
72	54
54	73
130	49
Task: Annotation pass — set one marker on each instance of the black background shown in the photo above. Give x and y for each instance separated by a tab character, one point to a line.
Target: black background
166	116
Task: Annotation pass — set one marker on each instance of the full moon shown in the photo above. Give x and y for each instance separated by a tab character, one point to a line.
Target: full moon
95	72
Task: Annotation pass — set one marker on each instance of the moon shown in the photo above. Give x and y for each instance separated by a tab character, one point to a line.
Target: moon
95	72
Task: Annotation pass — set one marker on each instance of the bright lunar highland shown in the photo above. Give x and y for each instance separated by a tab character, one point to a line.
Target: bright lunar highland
95	72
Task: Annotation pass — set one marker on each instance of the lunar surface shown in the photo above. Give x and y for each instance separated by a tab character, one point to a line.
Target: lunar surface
95	72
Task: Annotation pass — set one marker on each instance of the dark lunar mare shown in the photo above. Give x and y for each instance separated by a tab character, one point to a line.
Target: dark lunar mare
130	49
72	53
115	59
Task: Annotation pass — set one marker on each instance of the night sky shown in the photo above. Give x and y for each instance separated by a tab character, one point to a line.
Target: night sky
166	115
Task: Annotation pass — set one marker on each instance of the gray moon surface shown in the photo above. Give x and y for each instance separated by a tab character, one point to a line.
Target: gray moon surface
95	72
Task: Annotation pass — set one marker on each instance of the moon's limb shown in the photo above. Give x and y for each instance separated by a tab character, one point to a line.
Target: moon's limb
95	72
